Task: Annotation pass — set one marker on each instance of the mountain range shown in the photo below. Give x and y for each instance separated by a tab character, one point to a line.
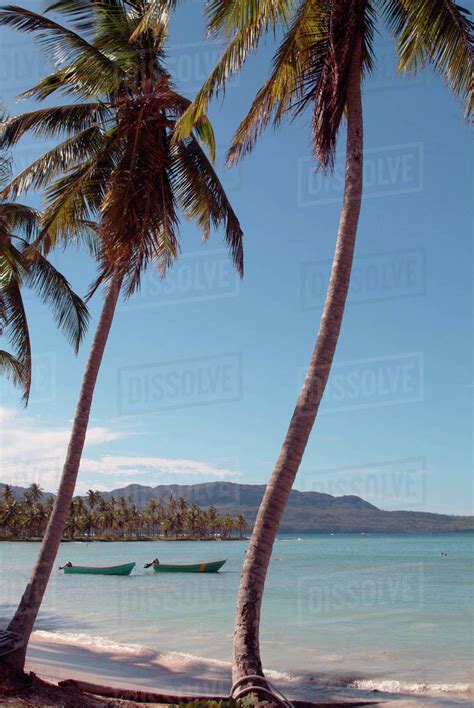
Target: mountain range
306	512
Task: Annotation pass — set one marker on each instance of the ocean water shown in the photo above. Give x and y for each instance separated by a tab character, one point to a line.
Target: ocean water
385	612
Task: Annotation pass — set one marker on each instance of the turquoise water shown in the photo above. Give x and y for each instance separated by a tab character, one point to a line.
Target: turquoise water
347	609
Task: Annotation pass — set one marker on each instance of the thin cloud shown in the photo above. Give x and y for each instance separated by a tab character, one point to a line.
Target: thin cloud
118	465
34	452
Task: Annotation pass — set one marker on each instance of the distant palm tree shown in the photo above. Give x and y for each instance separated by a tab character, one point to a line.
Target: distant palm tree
118	167
93	499
326	50
10	516
241	525
7	493
35	492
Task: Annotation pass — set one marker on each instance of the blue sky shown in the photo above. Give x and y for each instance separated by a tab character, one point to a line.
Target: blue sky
202	371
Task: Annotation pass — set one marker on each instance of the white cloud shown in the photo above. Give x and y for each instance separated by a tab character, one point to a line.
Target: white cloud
32	451
118	465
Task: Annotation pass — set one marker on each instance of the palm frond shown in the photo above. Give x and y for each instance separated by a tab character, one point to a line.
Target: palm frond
51	122
80	13
435	32
60	43
20	219
203	127
76	198
56	161
326	87
293	65
244	21
232	59
51	286
16	328
202	197
155	20
225	17
83	77
12	368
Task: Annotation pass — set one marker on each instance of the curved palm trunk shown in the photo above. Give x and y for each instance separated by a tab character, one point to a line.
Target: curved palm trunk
246	655
25	616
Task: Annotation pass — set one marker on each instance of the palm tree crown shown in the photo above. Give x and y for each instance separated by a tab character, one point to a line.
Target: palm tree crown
311	64
118	163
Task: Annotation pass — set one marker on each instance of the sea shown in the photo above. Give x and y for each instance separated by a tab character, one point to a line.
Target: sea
367	612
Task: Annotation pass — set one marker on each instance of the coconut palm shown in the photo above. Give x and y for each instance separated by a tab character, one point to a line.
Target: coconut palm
326	50
118	167
34	492
7	493
93	498
241	525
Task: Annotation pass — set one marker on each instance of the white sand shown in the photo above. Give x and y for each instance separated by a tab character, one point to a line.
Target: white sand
76	656
111	664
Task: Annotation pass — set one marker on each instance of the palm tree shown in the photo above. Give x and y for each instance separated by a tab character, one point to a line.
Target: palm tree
7	493
118	167
35	492
241	525
93	498
213	520
227	525
326	50
10	516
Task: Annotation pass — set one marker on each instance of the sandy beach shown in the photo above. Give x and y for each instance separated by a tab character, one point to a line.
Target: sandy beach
133	667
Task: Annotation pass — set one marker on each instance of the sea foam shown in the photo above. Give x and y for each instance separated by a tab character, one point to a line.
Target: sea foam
393	686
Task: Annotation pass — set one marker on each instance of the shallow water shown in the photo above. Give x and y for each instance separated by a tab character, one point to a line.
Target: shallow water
370	611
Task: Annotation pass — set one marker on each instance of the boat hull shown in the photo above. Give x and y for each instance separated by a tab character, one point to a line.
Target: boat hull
212	567
124	569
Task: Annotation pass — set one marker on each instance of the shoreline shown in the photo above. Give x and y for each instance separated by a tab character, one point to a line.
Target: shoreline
298	534
60	656
148	539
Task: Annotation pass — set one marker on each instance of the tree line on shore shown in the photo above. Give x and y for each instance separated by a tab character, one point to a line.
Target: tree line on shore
95	517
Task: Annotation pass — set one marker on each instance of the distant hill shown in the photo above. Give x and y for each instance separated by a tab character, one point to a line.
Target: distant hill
306	511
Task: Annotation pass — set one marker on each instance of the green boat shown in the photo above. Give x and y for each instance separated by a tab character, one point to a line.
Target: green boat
125	569
211	567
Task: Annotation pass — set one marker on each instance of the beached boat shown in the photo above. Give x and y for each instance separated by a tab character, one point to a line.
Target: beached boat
124	569
211	567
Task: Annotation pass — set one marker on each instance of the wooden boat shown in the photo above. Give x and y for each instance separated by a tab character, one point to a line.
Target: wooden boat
124	569
211	567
